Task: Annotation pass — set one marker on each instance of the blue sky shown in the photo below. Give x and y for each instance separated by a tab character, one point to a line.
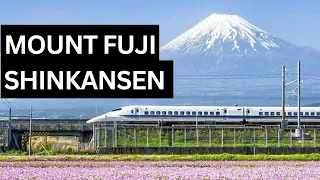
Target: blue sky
293	20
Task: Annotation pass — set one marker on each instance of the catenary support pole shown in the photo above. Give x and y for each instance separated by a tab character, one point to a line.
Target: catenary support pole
9	131
298	98
30	132
283	95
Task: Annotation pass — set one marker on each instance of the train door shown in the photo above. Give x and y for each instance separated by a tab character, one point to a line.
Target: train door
225	113
248	114
137	112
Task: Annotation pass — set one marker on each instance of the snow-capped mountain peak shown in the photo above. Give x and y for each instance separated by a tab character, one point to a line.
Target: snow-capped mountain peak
223	33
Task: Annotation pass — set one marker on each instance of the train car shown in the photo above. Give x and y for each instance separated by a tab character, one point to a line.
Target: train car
210	114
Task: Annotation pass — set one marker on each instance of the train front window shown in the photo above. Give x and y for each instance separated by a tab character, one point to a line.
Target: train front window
118	109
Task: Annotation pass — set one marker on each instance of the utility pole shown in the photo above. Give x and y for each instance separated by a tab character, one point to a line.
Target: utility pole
30	131
9	130
283	94
298	94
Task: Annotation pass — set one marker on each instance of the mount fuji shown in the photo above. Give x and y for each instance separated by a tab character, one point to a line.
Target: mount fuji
224	42
225	54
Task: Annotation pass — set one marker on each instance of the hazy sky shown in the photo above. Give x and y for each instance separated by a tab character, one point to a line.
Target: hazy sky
293	20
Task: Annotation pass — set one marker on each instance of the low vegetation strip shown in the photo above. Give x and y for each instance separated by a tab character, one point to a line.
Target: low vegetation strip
133	157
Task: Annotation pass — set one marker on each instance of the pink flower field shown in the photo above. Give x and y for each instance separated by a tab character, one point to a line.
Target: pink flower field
160	170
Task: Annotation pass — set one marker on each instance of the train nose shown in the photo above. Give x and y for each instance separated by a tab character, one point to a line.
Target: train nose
98	118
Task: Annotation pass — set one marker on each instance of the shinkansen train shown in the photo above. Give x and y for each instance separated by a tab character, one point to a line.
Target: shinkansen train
213	114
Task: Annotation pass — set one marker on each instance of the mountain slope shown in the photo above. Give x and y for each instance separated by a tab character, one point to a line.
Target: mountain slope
225	34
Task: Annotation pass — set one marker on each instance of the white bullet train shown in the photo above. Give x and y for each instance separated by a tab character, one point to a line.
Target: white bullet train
213	114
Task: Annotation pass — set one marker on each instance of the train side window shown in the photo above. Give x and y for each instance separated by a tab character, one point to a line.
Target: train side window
131	111
205	113
170	113
260	113
164	112
295	113
188	113
176	113
318	113
290	113
266	113
312	113
200	113
307	113
272	113
158	112
152	112
146	112
194	113
181	113
301	113
218	113
225	111
278	113
211	113
248	111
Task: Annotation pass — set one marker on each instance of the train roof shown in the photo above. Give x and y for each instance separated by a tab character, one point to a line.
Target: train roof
217	106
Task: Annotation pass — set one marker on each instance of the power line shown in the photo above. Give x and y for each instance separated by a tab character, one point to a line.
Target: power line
9	105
